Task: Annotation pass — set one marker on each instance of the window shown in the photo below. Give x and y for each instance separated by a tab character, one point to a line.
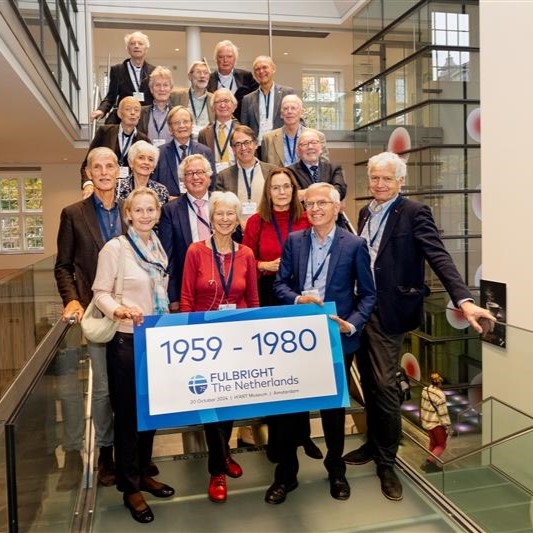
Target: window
451	30
21	213
322	100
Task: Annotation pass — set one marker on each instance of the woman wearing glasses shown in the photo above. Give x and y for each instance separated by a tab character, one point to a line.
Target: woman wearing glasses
219	274
280	212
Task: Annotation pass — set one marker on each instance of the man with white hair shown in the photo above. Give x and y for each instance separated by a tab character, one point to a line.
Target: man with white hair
279	146
197	98
240	82
129	78
402	236
261	108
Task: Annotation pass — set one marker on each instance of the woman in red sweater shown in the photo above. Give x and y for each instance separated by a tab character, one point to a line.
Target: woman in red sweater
219	274
280	212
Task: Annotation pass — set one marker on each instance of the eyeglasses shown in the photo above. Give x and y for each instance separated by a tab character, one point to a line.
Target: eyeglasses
309	143
385	179
180	123
243	144
279	188
225	57
321	204
227	101
192	173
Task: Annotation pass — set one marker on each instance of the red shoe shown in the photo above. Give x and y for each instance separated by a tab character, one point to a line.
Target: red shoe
218	492
233	469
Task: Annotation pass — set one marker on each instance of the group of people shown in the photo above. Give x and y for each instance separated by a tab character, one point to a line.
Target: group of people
207	225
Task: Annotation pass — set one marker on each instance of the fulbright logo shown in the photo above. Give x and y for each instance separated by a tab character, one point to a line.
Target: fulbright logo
198	384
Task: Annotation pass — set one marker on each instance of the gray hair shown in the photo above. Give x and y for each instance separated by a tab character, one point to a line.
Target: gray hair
222	92
226	44
100	152
143	147
190	159
227	197
139	35
333	193
388	158
160	72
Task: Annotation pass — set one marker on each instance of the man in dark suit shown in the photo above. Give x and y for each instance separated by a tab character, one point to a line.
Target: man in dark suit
312	168
181	224
324	263
180	121
402	237
217	136
261	108
240	82
117	137
247	177
84	229
129	78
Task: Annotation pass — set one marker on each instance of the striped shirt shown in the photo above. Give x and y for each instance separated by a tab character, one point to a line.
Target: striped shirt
433	408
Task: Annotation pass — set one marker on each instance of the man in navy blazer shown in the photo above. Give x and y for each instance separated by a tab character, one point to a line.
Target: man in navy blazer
261	108
402	236
171	154
324	263
180	225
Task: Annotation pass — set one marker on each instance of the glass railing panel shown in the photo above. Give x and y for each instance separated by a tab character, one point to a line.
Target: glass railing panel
30	304
48	440
4	517
494	487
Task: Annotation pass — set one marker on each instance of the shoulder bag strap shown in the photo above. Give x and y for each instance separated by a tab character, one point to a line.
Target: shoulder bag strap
119	286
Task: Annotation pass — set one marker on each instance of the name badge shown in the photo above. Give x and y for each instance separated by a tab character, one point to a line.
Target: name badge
311	292
138	96
124	172
158	142
183	189
223	307
196	130
221	166
249	208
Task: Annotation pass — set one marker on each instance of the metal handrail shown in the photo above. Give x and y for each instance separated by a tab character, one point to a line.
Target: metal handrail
95	100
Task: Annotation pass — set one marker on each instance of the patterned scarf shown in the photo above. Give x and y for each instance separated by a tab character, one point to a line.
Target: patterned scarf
154	260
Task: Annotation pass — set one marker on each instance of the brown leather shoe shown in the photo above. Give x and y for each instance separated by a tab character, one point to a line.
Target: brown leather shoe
106	467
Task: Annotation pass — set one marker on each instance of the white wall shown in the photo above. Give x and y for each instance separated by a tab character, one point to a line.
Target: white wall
507	115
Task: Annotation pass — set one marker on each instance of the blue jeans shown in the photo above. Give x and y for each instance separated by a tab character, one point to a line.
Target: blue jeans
101	405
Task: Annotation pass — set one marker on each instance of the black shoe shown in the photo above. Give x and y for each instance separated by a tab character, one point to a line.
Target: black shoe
277	492
339	487
430	467
144	516
391	486
312	450
165	491
106	467
361	456
152	470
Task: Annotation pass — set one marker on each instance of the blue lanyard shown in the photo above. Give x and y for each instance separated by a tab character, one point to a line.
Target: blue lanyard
372	240
222	86
159	266
278	231
178	157
226	285
126	141
159	129
267	102
201	219
249	185
222	151
196	116
292	153
316	275
137	84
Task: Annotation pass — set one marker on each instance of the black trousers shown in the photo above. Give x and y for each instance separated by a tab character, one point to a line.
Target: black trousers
133	449
377	360
291	425
217	435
